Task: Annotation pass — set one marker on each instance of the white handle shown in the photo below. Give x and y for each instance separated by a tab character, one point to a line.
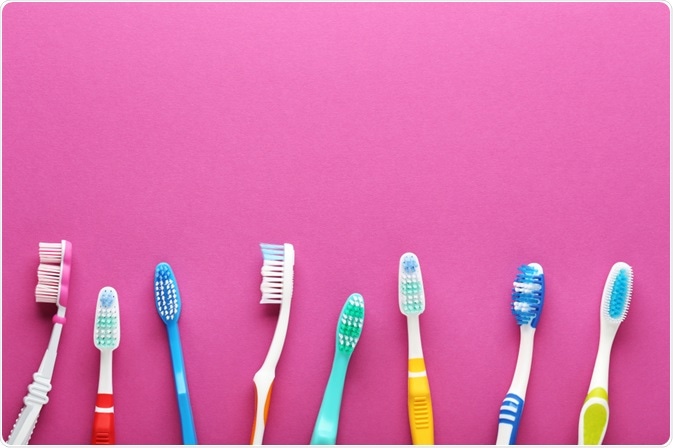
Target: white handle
33	402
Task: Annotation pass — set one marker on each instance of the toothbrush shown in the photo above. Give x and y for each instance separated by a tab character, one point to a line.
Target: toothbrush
527	301
167	298
53	279
276	288
106	335
412	304
348	333
614	306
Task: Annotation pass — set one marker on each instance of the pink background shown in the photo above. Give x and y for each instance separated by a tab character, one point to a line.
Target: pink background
479	136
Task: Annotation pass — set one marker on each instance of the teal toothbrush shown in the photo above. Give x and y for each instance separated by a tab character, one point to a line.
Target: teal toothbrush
348	333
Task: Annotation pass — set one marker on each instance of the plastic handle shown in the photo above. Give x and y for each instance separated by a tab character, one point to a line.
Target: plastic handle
420	404
327	423
594	417
103	421
262	395
510	418
184	404
33	402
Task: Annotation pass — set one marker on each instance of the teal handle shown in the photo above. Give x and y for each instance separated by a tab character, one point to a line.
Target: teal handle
327	423
184	404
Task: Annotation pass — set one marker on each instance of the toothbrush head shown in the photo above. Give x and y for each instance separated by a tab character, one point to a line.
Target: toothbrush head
277	273
411	293
528	295
351	320
53	273
166	294
617	293
106	332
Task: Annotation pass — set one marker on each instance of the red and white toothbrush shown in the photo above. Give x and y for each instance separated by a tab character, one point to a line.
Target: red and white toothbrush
106	339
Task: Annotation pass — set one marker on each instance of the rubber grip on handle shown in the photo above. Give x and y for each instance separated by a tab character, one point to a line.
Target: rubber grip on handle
594	417
420	404
267	401
103	421
509	419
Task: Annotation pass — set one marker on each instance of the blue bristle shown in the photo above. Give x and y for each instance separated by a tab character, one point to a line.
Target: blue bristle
619	295
106	299
409	264
274	252
528	296
166	294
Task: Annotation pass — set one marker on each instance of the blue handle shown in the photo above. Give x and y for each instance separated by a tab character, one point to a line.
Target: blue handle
327	423
510	415
184	405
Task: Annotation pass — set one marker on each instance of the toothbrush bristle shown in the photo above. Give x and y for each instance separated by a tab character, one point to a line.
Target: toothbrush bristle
166	294
618	292
528	295
49	272
106	329
350	324
411	293
277	272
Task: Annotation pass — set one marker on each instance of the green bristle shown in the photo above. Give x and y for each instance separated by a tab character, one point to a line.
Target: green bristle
350	324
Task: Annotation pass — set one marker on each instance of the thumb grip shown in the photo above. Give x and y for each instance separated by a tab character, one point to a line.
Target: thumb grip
594	417
420	404
103	421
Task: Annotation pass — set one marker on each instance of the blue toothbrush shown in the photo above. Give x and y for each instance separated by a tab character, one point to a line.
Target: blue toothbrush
527	301
167	298
348	333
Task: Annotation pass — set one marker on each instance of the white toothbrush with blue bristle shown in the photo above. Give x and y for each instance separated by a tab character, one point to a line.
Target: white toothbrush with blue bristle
106	336
527	301
615	303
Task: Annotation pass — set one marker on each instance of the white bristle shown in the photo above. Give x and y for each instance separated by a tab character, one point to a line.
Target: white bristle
276	271
49	272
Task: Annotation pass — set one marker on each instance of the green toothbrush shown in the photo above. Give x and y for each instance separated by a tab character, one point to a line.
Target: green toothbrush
348	333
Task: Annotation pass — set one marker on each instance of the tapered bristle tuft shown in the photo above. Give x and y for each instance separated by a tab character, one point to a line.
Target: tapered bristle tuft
617	293
351	321
166	293
411	292
106	328
277	272
49	272
528	295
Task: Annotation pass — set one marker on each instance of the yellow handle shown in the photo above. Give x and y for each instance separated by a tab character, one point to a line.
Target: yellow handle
420	404
594	417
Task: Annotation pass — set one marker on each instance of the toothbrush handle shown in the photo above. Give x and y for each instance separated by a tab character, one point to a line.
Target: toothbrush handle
263	385
420	404
37	392
184	404
104	421
327	423
509	420
594	417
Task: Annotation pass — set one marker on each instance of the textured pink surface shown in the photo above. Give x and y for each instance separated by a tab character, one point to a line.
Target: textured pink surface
479	136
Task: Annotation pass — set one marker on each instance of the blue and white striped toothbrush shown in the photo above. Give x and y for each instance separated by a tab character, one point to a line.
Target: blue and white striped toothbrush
527	301
167	299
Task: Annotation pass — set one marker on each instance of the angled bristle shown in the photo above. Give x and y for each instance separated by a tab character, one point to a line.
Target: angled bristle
411	293
618	290
106	328
350	324
49	272
277	272
166	293
528	295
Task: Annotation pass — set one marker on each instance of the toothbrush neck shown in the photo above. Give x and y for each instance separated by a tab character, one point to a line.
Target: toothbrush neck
414	334
601	372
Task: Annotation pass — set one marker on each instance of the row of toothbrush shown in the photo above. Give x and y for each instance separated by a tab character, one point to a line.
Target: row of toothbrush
277	285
